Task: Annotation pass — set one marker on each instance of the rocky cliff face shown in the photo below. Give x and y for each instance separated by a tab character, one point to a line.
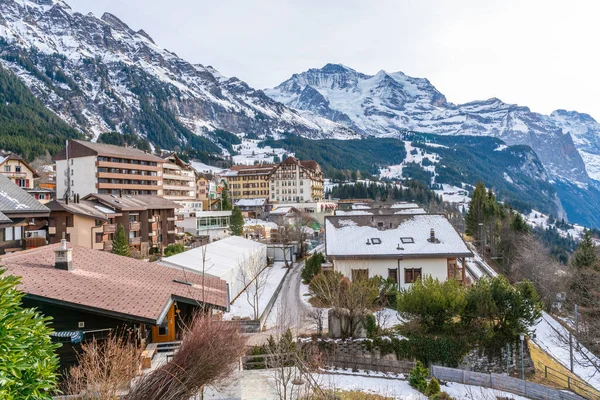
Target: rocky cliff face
100	75
384	104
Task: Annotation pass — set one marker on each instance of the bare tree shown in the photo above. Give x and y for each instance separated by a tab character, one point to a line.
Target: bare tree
209	353
104	368
255	276
287	234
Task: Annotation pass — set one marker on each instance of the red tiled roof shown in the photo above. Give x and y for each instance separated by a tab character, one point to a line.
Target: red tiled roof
109	283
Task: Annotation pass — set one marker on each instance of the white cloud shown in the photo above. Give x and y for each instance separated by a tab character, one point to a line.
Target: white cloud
537	53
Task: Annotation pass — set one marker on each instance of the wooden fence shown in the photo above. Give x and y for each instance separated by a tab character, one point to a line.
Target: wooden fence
504	383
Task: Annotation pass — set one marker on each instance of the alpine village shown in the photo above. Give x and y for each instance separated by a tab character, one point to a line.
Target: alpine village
169	233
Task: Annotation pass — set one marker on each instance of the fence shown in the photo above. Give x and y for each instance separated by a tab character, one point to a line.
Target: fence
576	385
504	383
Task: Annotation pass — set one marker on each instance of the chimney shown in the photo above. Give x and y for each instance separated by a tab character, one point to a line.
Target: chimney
63	257
432	238
77	198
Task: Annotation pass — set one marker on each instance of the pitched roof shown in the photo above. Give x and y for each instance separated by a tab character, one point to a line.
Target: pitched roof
15	200
250	202
352	236
109	150
380	211
13	156
86	208
133	202
110	284
4	219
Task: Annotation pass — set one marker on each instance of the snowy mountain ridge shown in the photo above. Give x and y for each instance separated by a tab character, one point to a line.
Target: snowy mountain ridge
100	75
567	143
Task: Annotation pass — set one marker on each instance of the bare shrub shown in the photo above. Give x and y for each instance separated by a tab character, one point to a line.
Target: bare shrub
209	353
104	368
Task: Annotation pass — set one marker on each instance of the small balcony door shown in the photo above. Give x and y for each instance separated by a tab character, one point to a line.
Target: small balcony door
165	332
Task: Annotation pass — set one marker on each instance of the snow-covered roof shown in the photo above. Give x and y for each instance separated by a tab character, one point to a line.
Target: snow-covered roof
259	222
381	211
222	256
404	205
395	236
250	202
283	210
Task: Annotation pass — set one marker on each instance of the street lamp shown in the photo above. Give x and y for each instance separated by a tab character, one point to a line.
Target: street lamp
522	337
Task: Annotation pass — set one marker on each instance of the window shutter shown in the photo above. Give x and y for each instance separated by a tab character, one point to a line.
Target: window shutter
26	182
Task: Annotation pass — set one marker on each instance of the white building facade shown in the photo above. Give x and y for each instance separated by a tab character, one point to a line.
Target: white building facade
296	181
404	248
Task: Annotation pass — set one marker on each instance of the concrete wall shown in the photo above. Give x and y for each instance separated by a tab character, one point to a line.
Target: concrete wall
83	176
435	267
83	231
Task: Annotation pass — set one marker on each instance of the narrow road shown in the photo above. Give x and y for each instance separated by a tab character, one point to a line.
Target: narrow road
290	311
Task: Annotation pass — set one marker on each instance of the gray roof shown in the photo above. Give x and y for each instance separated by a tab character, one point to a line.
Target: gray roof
15	200
4	219
84	207
133	202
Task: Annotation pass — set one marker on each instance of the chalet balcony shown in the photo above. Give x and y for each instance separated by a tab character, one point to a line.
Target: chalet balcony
15	174
109	228
134	226
136	241
154	240
154	226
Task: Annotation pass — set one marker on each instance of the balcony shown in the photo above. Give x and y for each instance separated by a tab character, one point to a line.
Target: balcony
15	174
109	228
134	226
171	219
175	177
154	226
127	186
107	245
154	240
136	241
139	167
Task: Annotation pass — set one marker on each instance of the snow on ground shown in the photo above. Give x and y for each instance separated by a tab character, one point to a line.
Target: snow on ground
259	384
552	337
395	171
205	168
454	194
249	153
539	220
242	308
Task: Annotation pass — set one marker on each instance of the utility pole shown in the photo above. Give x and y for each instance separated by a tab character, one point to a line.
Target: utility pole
571	349
68	194
522	337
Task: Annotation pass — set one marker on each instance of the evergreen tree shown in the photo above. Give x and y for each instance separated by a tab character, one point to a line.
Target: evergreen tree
237	222
225	203
121	243
518	224
585	256
28	364
476	211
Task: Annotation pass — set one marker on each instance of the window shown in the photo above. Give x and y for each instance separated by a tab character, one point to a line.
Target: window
8	234
375	241
98	237
18	233
7	168
380	225
393	274
407	240
411	275
42	196
17	168
360	274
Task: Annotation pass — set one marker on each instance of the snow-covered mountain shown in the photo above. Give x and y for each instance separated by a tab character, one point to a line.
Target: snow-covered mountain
100	75
567	143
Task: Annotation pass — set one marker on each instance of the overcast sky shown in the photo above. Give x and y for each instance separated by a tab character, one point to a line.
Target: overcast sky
540	53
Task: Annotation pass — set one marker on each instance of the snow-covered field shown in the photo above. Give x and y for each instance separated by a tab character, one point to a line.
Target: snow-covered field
249	153
454	194
537	219
552	337
205	168
242	308
395	171
260	384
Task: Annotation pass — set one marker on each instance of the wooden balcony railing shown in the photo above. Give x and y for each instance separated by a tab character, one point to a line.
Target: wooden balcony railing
134	226
135	241
109	228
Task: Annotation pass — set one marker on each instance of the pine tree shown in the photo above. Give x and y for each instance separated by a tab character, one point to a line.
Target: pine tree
237	222
586	256
120	242
225	203
476	211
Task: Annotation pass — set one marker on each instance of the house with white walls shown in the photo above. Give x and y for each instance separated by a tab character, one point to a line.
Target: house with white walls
402	247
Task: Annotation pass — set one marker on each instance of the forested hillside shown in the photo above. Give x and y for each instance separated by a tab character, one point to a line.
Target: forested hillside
27	127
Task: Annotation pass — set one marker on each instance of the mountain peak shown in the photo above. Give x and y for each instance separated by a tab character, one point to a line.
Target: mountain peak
115	22
336	68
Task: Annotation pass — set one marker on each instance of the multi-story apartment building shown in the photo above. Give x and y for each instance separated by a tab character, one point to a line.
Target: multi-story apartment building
17	170
86	167
249	181
296	181
149	221
179	179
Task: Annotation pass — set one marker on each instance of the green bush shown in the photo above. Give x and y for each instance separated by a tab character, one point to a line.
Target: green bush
441	396
312	267
418	377
371	325
173	249
433	388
